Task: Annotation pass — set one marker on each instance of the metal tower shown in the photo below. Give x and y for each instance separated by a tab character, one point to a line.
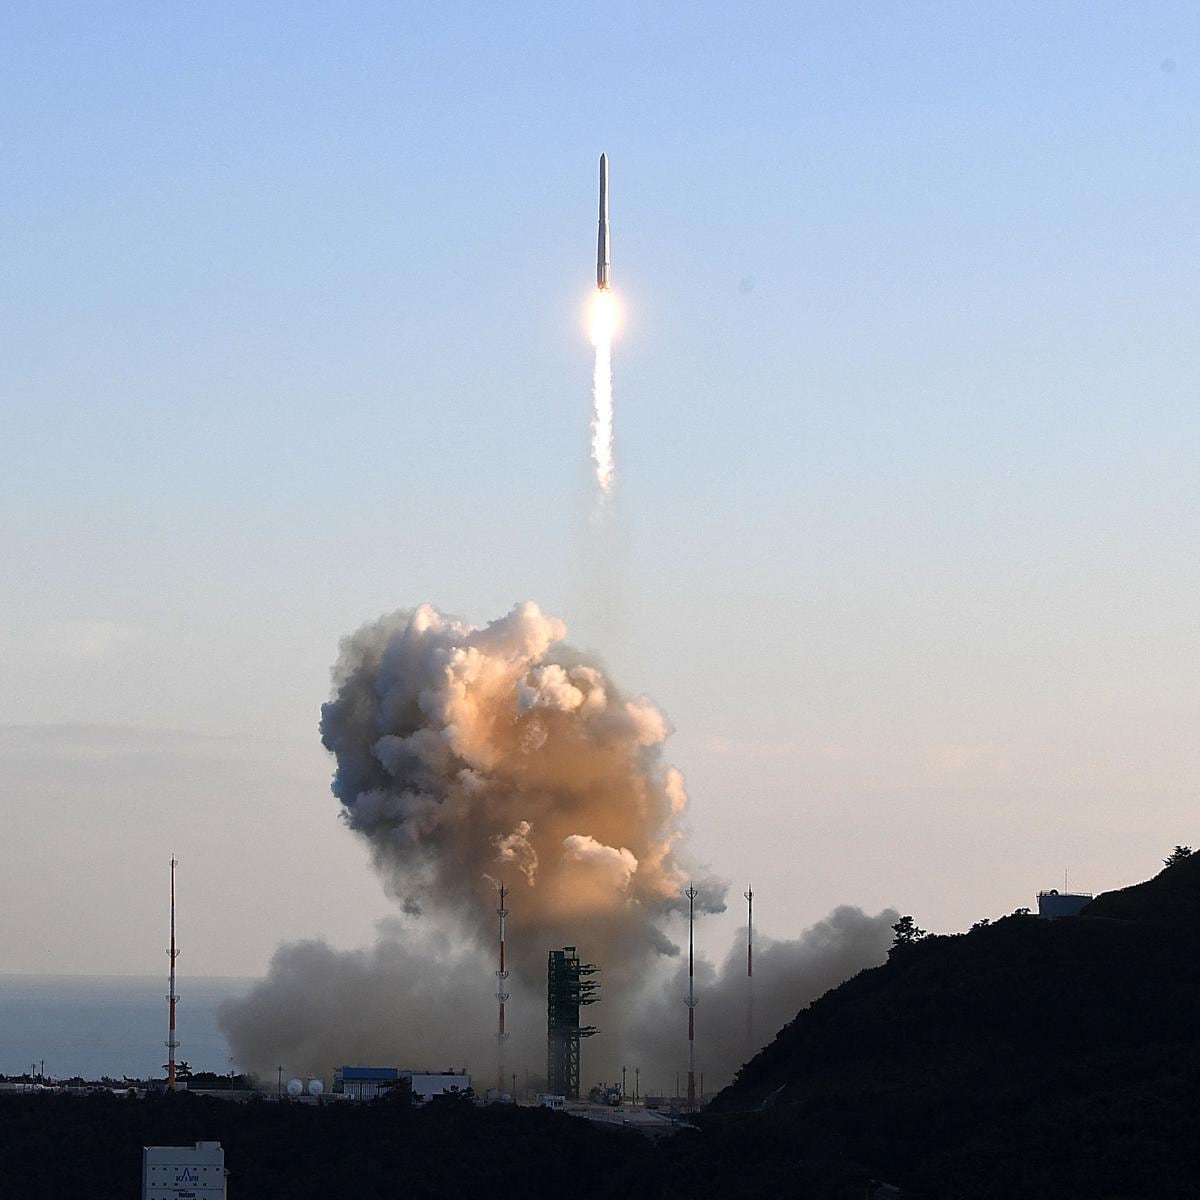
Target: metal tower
172	999
501	996
568	988
691	999
749	894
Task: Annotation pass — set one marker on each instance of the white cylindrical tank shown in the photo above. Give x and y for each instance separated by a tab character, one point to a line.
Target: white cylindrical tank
315	1087
295	1087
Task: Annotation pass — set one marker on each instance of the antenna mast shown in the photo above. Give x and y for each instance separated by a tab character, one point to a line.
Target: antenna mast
691	999
172	999
749	894
501	996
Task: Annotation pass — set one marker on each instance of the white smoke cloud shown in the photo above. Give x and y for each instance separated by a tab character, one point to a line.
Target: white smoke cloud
517	849
612	868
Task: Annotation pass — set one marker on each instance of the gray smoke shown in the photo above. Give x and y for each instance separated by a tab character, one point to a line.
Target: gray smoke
411	1000
415	1000
788	975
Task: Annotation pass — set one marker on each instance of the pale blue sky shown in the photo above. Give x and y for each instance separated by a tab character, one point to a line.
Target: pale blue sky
292	332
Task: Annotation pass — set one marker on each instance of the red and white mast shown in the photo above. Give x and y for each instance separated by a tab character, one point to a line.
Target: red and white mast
691	1000
172	999
501	997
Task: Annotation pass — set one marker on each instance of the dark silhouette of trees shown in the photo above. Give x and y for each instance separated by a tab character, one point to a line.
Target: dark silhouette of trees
1177	855
398	1094
907	932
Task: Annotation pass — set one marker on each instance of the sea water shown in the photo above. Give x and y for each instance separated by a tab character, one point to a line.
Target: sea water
113	1026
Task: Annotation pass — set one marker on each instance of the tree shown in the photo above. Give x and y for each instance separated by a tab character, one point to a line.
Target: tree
398	1093
907	932
453	1100
1177	855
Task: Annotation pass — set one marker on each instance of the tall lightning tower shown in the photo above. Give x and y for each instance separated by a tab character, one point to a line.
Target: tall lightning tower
501	996
691	999
172	999
749	894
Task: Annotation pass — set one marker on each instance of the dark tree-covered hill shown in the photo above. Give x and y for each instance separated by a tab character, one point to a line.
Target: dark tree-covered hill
1025	1058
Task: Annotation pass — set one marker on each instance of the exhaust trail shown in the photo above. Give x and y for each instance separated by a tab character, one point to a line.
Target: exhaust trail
602	398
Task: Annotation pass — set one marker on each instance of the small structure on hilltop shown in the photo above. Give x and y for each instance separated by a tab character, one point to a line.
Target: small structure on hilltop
1062	904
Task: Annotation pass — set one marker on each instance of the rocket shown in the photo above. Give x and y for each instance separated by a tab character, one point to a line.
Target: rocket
603	264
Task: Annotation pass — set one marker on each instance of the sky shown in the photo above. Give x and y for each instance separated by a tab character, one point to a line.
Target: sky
293	333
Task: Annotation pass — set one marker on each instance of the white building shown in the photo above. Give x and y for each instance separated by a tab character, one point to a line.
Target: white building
183	1172
367	1083
1062	904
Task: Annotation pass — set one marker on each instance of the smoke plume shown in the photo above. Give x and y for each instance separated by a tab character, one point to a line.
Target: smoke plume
468	756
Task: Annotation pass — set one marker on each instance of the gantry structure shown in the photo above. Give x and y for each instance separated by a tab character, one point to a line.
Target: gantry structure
570	985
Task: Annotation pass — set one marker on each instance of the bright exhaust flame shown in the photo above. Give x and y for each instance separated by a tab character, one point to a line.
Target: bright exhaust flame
604	321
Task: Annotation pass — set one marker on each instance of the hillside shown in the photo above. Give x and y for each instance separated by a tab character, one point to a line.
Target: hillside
1024	1058
1173	895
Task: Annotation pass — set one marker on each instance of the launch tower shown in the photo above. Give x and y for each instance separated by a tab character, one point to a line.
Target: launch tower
501	997
569	986
691	1001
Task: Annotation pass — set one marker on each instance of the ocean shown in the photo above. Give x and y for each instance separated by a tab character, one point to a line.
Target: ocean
111	1026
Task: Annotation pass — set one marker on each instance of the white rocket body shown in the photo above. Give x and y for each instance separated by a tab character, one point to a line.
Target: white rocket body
603	260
